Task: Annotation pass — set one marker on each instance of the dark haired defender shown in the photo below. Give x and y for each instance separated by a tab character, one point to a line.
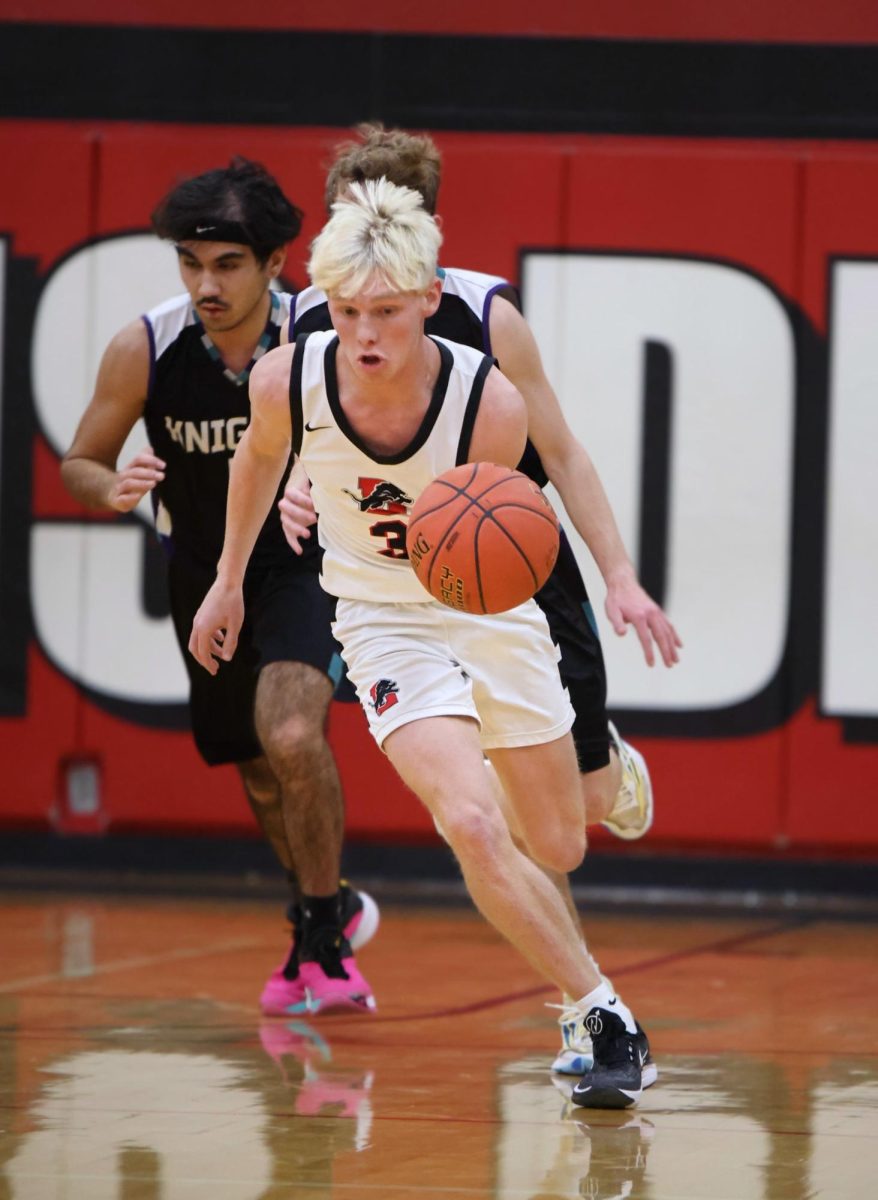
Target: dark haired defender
184	367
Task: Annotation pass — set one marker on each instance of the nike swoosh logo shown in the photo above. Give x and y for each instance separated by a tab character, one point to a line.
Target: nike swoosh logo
313	428
613	1001
204	228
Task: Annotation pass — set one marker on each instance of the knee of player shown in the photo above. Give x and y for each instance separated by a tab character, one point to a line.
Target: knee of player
473	831
288	736
558	848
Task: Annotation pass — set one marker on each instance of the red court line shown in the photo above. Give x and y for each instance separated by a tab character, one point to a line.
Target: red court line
648	964
716	945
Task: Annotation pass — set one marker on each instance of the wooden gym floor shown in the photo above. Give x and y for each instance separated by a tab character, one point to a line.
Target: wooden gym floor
134	1064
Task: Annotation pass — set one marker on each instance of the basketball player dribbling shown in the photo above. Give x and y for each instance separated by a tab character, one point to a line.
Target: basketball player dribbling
379	399
481	310
184	367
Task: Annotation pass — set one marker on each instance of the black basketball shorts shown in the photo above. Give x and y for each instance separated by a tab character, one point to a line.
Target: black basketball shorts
564	600
287	619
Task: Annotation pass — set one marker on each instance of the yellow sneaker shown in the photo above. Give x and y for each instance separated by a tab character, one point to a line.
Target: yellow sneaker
632	813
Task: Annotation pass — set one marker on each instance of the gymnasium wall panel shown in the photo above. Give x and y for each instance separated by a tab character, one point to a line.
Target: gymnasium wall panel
673	346
833	737
679	290
47	209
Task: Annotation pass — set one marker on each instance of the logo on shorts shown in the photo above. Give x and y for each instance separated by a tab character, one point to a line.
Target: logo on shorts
379	495
383	694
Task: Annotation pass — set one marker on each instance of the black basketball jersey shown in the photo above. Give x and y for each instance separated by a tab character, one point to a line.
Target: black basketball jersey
195	414
462	316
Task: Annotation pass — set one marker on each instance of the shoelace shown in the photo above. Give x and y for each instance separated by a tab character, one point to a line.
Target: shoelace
327	947
573	1016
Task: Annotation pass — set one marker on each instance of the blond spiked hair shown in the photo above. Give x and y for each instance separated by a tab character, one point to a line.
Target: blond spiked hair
376	229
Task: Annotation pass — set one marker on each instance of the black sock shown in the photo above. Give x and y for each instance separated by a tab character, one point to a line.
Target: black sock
294	907
321	912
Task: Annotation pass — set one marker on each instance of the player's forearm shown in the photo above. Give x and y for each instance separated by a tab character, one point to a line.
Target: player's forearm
588	507
88	481
253	484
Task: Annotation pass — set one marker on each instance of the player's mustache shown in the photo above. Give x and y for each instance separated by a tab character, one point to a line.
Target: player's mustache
212	300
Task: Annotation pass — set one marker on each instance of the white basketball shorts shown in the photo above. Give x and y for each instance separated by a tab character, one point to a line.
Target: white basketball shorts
410	661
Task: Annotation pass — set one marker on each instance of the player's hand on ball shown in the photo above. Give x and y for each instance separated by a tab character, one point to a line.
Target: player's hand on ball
217	623
134	480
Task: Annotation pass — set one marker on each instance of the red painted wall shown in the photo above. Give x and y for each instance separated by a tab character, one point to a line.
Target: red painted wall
844	21
778	211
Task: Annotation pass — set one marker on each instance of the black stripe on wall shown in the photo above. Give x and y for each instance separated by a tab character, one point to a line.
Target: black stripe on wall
655	469
18	424
438	82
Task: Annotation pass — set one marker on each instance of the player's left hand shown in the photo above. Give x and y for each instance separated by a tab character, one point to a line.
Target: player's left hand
628	604
216	626
297	512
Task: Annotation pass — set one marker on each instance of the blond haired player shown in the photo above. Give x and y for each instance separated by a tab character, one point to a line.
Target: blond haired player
378	400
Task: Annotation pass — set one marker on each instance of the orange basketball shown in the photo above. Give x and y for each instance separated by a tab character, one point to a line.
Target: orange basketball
482	538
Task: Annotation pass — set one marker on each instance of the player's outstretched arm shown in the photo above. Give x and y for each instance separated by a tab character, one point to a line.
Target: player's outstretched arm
89	469
254	477
573	473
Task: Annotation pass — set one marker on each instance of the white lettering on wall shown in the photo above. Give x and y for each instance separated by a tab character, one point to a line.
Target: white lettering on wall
850	646
730	344
87	578
86	583
733	405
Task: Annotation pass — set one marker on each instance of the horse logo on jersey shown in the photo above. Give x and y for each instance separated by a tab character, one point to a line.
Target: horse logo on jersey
383	694
379	495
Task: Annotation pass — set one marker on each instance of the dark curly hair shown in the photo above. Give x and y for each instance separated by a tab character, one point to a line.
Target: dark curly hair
242	195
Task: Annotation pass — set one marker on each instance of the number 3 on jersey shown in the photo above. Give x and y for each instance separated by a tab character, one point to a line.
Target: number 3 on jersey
382	496
394	534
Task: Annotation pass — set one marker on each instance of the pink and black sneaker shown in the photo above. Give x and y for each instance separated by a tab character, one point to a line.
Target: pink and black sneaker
329	975
284	992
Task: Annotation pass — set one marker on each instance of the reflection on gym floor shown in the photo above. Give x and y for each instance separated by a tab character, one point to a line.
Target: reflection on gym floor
134	1064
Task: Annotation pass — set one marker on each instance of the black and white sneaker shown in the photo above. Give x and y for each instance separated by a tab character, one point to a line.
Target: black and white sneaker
647	1066
621	1059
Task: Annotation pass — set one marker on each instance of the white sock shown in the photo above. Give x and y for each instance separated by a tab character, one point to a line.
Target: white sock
604	997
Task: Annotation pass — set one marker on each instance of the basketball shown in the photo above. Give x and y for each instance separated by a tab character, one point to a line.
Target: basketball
482	538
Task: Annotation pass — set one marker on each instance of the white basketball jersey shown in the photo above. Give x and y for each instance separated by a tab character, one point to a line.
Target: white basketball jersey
363	500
